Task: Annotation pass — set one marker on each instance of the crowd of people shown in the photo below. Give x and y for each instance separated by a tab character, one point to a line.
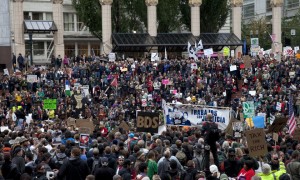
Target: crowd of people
115	91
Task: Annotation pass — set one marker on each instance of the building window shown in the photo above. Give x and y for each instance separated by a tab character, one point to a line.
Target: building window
292	3
96	49
37	16
49	17
26	16
38	49
268	6
82	49
70	50
68	22
248	10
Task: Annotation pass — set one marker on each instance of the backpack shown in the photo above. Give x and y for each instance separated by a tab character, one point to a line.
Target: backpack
213	132
132	143
221	156
95	165
59	161
181	156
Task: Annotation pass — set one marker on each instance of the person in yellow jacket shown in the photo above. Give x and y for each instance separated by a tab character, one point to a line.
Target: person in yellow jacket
273	171
51	114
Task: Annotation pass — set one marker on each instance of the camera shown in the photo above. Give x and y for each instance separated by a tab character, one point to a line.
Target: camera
50	175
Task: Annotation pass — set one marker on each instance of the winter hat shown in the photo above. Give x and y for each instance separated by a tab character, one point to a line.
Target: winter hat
223	177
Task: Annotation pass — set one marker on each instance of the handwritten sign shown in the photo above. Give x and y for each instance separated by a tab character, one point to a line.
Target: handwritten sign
256	142
85	123
49	103
31	78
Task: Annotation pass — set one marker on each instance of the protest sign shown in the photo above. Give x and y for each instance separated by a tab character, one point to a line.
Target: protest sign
275	137
112	57
84	140
233	68
258	121
296	135
154	57
278	106
31	78
208	52
256	142
147	122
226	51
49	103
86	123
124	126
6	72
84	130
278	124
71	122
194	115
247	61
248	109
144	102
165	81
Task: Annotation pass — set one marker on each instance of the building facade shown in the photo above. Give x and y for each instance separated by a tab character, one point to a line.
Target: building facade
76	38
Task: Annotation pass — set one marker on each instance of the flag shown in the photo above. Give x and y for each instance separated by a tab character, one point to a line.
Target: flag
114	82
292	121
272	37
200	45
244	47
166	55
67	88
93	54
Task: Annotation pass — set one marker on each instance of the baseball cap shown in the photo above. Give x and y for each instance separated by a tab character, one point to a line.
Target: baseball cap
213	169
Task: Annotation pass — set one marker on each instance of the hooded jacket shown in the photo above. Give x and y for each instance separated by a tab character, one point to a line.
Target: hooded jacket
275	174
73	169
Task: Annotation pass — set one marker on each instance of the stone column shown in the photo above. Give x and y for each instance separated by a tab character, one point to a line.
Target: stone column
106	25
237	22
276	24
195	16
18	27
152	17
58	18
5	39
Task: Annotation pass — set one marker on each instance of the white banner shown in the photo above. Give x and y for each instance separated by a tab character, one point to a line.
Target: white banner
208	52
31	78
189	115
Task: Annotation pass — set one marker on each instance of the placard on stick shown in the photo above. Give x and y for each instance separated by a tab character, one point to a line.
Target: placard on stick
256	142
278	124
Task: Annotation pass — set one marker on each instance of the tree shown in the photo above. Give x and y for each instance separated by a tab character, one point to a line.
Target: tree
213	15
168	15
258	28
287	25
131	15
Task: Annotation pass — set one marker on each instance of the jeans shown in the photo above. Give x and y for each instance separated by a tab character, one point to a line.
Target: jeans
213	150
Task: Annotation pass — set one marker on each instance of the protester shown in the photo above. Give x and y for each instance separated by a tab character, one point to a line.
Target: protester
111	92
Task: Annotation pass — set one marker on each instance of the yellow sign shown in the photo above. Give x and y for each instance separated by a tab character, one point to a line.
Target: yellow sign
298	56
226	51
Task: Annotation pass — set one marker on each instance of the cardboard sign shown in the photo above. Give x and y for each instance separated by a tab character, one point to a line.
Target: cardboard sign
278	124
275	137
147	122
296	135
31	78
85	123
124	126
49	103
71	122
256	142
247	61
84	130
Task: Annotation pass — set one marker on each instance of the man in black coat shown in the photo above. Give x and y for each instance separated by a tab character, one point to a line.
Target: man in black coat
74	168
125	172
104	172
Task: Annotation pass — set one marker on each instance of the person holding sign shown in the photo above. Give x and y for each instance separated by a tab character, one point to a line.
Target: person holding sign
211	135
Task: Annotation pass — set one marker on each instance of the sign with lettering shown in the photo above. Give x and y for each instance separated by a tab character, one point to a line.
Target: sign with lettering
147	122
49	103
85	125
194	115
31	78
256	142
248	109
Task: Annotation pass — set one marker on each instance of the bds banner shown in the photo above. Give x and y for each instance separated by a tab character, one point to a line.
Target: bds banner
147	122
191	115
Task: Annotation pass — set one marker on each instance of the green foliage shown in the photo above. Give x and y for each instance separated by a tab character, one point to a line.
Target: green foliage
287	25
131	15
89	11
213	14
168	15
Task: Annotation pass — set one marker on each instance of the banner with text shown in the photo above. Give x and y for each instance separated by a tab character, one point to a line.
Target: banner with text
147	122
183	115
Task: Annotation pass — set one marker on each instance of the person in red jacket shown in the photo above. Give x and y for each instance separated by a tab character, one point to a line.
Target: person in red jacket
247	171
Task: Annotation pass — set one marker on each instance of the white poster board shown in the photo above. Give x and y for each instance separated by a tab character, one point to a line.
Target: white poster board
208	52
112	57
154	57
233	68
31	78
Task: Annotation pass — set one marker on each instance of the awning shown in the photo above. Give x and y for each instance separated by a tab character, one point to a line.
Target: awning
172	41
31	26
